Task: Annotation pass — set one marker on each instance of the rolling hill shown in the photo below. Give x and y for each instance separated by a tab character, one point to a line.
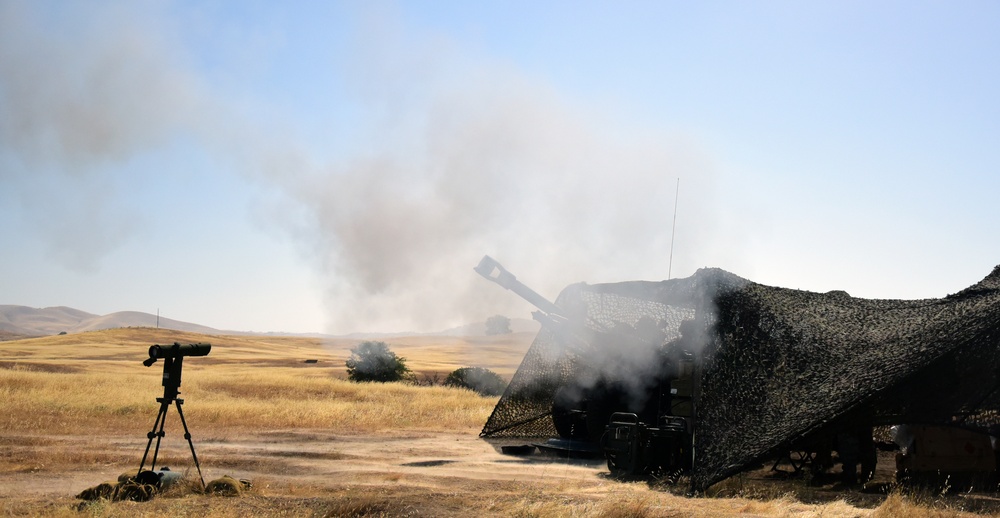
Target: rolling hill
23	321
27	321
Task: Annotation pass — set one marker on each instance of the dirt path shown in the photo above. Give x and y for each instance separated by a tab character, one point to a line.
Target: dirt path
423	459
320	473
417	470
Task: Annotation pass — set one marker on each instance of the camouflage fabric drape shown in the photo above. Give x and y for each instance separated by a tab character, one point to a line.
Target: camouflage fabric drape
779	366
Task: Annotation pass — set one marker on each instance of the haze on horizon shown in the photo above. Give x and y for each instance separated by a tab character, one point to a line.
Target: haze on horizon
341	166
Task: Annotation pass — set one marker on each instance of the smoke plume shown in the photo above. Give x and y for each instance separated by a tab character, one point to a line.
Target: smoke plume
453	156
83	89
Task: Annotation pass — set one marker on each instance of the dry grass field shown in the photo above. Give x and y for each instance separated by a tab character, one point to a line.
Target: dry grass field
75	411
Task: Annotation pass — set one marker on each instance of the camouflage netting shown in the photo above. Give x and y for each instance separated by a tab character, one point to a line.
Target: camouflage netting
780	366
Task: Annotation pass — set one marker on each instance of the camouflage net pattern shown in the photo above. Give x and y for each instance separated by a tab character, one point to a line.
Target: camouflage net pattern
779	367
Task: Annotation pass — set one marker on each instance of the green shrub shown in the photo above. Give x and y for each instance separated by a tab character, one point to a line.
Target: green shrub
498	325
483	381
373	361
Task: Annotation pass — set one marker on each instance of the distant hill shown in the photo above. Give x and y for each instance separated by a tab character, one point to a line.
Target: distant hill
7	335
27	321
23	321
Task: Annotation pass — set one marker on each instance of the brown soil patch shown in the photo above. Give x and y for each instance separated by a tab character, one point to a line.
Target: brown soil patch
396	473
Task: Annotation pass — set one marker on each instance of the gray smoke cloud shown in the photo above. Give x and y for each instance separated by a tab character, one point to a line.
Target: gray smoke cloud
455	156
478	158
82	90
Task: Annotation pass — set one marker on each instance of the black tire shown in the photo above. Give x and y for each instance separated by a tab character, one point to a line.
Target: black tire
568	416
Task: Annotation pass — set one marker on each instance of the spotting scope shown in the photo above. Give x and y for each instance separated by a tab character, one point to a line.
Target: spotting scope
176	351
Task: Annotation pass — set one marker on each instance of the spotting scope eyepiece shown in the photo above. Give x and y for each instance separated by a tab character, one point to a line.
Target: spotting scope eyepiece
176	351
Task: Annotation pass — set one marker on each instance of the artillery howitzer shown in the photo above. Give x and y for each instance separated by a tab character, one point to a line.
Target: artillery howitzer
716	374
624	389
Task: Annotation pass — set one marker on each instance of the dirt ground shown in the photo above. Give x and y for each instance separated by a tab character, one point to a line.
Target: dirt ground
426	473
319	473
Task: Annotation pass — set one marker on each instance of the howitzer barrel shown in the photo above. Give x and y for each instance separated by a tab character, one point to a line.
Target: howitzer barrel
491	269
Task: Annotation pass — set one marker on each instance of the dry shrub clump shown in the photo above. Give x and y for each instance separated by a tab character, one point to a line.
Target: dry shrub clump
790	505
766	507
628	507
627	504
366	506
739	486
917	505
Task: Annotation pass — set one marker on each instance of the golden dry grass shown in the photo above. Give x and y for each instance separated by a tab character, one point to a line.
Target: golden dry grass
235	399
424	354
79	402
61	384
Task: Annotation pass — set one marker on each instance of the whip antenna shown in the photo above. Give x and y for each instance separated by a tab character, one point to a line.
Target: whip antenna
673	228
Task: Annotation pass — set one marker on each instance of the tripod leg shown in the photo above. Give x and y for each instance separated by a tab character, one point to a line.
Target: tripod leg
159	435
187	435
161	416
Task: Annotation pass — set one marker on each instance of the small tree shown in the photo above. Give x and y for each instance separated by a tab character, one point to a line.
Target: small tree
483	381
373	361
498	325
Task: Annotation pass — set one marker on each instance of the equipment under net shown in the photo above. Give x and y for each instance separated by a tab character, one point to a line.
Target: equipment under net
748	371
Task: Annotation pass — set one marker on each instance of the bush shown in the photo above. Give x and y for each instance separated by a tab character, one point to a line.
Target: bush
373	361
498	325
483	381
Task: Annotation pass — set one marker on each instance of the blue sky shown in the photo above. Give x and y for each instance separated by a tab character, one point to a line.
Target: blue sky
341	166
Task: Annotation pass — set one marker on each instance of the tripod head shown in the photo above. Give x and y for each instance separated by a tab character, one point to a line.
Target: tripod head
173	361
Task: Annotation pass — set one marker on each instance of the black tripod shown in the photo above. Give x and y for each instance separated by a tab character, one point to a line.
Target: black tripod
172	362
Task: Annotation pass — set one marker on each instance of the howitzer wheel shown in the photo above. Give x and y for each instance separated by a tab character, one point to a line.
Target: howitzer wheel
568	415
